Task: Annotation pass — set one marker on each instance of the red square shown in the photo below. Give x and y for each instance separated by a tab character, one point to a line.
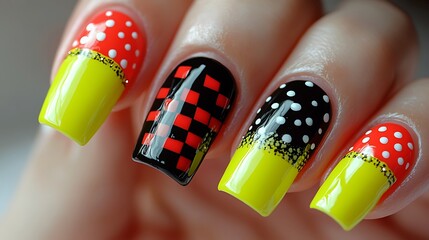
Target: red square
222	101
193	140
202	116
152	116
182	72
173	145
183	164
162	130
183	121
211	83
190	96
170	105
215	124
147	138
163	92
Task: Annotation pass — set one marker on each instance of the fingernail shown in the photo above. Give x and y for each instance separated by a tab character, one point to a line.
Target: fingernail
185	117
378	161
102	62
285	132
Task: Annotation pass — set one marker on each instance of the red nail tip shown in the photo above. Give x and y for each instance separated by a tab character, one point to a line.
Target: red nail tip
116	35
390	143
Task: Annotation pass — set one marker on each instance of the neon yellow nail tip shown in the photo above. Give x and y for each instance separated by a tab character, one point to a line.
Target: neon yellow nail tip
352	190
82	95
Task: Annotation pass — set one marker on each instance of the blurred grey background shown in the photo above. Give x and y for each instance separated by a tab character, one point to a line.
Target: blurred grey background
29	35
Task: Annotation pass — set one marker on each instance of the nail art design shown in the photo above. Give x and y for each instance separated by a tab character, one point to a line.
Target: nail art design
376	163
284	134
102	62
185	117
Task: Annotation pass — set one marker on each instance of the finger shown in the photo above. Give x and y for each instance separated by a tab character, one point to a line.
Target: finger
210	71
318	99
108	51
387	164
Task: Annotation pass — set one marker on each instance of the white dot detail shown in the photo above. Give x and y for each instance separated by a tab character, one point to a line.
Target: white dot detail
121	34
268	99
134	66
83	40
134	35
314	103
410	146
351	148
259	110
280	120
326	117
275	105
309	121
137	53
297	122
309	84
110	23
282	86
295	106
75	43
109	13
112	53
326	98
382	129
128	23
258	121
305	139
286	138
320	131
90	27
407	166
128	47
365	140
368	132
124	63
100	36
250	128
384	140
290	93
400	161
313	146
398	147
397	135
385	154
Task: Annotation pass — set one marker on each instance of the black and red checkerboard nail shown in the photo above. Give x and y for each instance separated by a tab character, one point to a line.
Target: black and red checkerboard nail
185	117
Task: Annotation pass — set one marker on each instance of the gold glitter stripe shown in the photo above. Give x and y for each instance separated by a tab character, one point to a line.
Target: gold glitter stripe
377	163
102	59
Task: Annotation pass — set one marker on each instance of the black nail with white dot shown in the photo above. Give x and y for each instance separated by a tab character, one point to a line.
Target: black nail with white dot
292	122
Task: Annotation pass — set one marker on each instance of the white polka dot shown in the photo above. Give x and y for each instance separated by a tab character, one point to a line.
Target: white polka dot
110	23
309	84
137	53
384	140
325	98
124	63
128	23
258	121
290	93
410	146
382	129
275	105
305	139
280	120
326	117
398	147
261	130
320	131
351	148
297	122
313	146
134	66
121	34
109	13
134	35
286	138
282	86
90	27
75	43
268	99
397	135
407	166
365	140
314	103
250	128
368	132
309	121
385	154
259	110
400	161
84	40
128	47
295	106
112	53
100	36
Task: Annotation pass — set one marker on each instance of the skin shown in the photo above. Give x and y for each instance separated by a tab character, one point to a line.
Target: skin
97	192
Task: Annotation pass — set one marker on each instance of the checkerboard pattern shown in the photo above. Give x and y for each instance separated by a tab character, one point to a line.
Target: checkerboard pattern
186	115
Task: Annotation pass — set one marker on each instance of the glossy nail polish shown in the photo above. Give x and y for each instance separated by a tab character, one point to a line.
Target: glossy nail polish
281	139
378	161
102	62
185	117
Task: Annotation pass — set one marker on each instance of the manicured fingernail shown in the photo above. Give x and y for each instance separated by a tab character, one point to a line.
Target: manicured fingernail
185	117
102	62
379	160
285	132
